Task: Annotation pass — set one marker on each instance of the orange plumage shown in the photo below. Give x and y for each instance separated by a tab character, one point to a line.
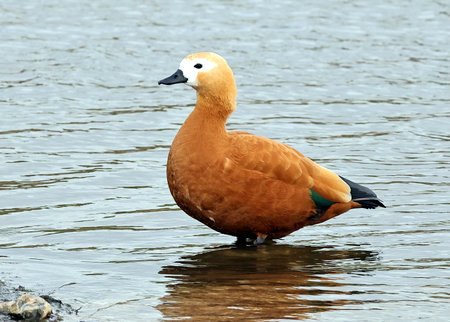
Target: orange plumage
241	184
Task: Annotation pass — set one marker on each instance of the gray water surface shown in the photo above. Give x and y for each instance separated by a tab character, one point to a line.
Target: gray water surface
361	87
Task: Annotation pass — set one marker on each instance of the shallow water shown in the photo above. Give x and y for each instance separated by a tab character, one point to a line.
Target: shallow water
85	213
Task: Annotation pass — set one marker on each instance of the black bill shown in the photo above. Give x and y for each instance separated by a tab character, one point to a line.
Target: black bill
176	78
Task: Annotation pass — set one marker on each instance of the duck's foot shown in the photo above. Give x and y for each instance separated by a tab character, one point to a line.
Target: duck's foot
241	241
244	241
260	239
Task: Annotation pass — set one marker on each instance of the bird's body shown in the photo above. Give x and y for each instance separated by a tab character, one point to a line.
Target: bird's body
242	184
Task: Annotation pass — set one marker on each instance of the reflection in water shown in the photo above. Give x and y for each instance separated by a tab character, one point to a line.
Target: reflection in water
260	283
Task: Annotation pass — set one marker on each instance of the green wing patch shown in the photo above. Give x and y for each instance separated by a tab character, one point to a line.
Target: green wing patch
320	201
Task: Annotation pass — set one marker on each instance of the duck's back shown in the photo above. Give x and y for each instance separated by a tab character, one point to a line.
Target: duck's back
284	163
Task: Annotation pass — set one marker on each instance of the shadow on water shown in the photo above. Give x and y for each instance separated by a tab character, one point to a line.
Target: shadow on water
261	283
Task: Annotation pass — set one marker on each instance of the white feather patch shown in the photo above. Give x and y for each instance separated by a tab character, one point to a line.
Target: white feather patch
191	73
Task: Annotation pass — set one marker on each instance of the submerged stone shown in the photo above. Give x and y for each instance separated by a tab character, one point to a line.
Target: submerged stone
28	307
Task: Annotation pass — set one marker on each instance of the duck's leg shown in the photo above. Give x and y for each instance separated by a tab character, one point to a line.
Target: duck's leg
259	239
241	240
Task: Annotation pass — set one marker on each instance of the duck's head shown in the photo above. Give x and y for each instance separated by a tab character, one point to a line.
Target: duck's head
208	73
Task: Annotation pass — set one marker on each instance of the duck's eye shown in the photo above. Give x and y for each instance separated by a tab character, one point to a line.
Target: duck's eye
198	66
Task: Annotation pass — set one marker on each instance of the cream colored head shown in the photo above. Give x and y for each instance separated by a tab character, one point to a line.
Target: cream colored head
209	74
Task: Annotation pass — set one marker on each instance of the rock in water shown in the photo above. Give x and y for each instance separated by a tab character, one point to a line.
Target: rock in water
28	307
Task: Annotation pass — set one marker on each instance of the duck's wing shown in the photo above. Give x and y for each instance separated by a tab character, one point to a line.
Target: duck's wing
282	162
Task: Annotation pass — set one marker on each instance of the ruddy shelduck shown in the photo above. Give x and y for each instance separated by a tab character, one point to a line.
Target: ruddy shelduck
241	184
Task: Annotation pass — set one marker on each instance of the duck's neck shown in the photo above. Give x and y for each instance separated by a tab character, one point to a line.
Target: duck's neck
218	107
204	129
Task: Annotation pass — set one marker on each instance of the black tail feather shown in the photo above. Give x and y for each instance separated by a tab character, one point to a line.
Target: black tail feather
363	195
370	203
